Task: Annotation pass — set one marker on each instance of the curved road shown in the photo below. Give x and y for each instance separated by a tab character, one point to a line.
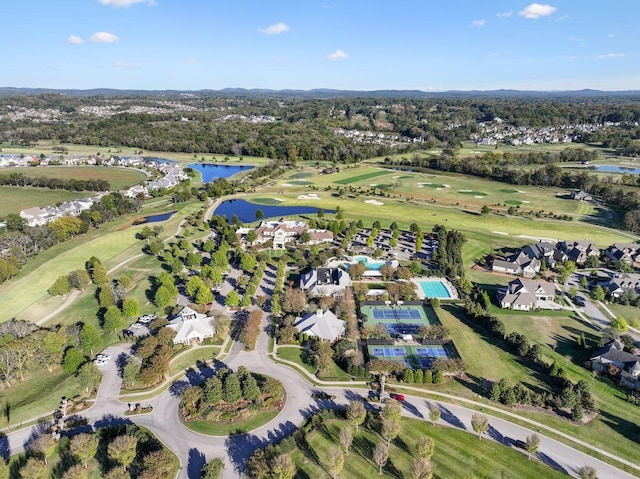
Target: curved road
194	449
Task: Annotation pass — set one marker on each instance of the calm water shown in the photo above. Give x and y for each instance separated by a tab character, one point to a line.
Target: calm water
246	212
210	172
156	218
618	169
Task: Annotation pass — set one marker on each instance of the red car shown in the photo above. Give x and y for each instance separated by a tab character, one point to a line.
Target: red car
397	397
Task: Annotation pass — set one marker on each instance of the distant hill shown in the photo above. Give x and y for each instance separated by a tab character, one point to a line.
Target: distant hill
322	93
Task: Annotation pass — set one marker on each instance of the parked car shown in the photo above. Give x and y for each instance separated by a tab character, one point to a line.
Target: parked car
100	362
104	357
128	332
136	326
397	397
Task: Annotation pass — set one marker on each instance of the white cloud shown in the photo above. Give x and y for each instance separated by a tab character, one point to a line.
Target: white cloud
190	61
282	60
103	37
275	29
611	55
478	23
126	3
536	10
337	55
74	40
611	35
504	14
124	65
572	58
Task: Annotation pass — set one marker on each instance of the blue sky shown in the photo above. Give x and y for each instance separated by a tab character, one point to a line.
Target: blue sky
304	44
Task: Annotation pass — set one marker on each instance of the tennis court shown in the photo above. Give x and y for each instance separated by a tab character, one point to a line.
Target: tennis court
396	313
413	356
432	352
389	352
400	320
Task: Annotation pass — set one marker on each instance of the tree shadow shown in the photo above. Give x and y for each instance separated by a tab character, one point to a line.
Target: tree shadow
628	429
391	469
550	462
5	450
447	416
195	463
240	447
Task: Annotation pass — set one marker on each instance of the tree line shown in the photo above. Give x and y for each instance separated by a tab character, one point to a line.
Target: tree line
71	184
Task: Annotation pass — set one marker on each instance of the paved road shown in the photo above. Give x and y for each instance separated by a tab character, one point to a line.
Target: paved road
194	449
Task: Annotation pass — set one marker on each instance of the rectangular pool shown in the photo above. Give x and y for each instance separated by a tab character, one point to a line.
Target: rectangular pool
435	289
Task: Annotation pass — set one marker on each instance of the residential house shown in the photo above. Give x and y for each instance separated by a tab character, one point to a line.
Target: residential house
581	195
191	327
519	264
613	355
321	324
283	232
627	252
526	294
325	281
135	191
578	251
37	216
623	282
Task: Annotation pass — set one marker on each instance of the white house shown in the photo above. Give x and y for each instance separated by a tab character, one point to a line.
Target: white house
283	232
526	294
191	327
321	324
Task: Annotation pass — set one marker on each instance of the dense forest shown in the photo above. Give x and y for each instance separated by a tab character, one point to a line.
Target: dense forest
293	128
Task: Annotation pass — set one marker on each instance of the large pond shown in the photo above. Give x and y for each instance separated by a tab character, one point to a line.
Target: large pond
210	171
618	169
246	212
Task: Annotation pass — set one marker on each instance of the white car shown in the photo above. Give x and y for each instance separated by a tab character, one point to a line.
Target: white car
103	357
100	362
136	326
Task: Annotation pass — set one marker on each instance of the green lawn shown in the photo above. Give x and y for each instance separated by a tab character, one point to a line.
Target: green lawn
294	354
118	178
39	394
458	454
14	199
191	357
363	176
210	428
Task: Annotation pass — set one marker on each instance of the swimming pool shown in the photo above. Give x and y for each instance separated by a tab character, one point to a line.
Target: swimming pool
435	289
368	262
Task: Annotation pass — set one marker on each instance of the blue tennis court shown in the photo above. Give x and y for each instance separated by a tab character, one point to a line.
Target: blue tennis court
388	352
392	313
432	352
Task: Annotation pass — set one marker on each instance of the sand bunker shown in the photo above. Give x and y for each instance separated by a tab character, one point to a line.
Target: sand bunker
503	233
287	184
310	196
374	202
373	184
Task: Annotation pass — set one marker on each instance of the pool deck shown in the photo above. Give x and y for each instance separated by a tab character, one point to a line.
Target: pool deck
453	292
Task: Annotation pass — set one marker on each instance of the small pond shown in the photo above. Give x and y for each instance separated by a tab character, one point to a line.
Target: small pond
210	171
246	212
155	218
618	169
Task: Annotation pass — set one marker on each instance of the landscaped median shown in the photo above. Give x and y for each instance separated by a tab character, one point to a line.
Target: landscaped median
232	402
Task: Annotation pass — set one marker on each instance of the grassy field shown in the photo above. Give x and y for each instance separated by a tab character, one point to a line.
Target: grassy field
458	454
13	199
25	297
26	401
118	178
210	428
192	357
614	429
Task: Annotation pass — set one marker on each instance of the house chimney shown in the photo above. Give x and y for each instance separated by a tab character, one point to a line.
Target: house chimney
319	312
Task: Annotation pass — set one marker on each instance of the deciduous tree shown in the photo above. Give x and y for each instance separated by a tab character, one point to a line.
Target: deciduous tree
479	423
335	461
380	456
84	447
122	449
